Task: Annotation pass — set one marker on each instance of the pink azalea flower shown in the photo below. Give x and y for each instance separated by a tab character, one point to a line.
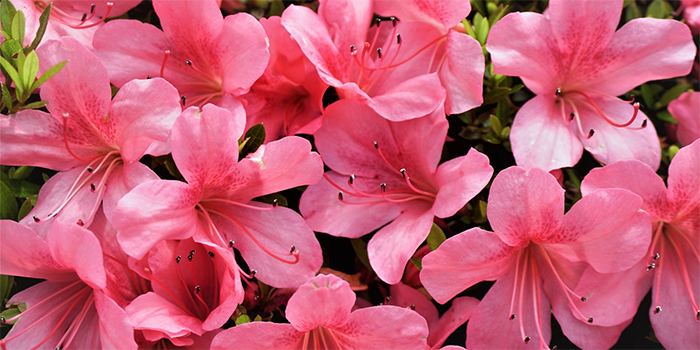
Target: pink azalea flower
320	318
577	63
287	98
386	176
78	19
686	110
392	67
208	58
462	62
672	259
691	14
215	207
70	309
541	257
95	142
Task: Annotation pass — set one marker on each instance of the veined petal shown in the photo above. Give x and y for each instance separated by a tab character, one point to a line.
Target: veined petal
446	13
462	73
75	247
243	50
24	253
684	185
325	300
385	327
152	312
258	336
121	181
460	179
684	109
460	312
116	331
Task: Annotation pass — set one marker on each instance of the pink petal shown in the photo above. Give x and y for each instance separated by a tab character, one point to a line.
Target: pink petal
385	327
205	147
684	184
492	316
278	166
24	253
636	177
525	205
152	312
685	110
192	28
462	73
523	44
143	112
392	246
460	179
35	138
325	300
407	297
75	247
460	312
122	180
347	21
541	139
243	48
448	270
408	99
116	330
610	144
324	212
644	49
258	336
446	13
154	211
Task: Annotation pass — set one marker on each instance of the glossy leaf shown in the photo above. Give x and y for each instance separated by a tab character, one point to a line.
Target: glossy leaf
7	13
22	172
8	203
47	75
18	26
254	137
43	22
24	209
435	237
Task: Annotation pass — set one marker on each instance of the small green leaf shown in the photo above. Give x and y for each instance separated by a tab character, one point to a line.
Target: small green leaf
496	16
503	109
32	199
264	289
505	133
360	248
496	124
43	22
7	13
172	168
465	117
10	313
6	96
632	11
659	9
276	8
6	283
8	203
666	117
496	94
418	262
26	207
672	150
22	172
35	105
254	137
670	95
482	208
481	28
47	75
10	48
45	177
647	94
468	28
491	138
435	237
14	75
22	188
18	26
257	318
479	5
31	68
242	319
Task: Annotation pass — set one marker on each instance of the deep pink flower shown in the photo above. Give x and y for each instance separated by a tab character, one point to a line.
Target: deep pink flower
78	19
672	259
95	142
393	67
70	309
541	256
214	206
462	64
686	110
320	318
287	98
388	177
577	63
208	58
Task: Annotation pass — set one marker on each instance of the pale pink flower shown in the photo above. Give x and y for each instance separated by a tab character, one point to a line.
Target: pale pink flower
320	317
691	14
544	262
686	110
576	62
672	259
385	176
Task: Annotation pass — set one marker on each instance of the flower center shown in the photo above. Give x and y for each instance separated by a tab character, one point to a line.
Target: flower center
206	87
321	338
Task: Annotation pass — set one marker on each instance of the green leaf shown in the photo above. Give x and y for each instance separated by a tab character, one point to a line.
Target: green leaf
7	13
43	22
18	26
242	319
47	75
35	105
491	138
45	177
496	16
647	94
479	5
632	11
10	48
6	96
496	94
270	199
672	150
22	188
26	207
481	28
659	9
6	283
22	172
32	199
10	313
276	8
257	318
14	75
8	203
360	248
666	117
482	208
468	28
418	262
254	137
505	133
31	68
435	237
670	95
496	124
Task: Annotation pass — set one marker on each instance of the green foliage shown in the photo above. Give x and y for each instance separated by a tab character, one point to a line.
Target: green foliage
435	237
254	137
360	248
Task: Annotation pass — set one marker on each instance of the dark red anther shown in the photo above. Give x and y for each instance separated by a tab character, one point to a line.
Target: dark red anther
353	49
82	19
92	187
644	123
376	145
196	289
657	309
398	38
291	251
80	223
558	92
183	99
656	256
230	243
177	260
393	21
383	186
2	319
526	340
89	169
583	299
590	133
252	273
413	307
512	317
148	77
340	195
572	116
651	266
351	180
590	320
189	63
378	21
36	219
92	8
379	52
274	203
211	254
403	173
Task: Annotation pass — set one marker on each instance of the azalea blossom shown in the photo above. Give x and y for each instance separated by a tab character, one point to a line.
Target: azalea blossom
77	19
686	110
385	176
320	317
542	258
392	67
672	262
691	14
95	142
215	205
576	62
69	309
207	57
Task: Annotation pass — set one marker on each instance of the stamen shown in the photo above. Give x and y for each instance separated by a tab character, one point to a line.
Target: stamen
247	206
379	53
381	154
558	92
211	254
408	181
167	290
166	54
80	222
183	99
65	140
657	309
686	279
592	104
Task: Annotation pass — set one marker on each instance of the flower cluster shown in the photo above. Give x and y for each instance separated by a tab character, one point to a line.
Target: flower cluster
223	180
